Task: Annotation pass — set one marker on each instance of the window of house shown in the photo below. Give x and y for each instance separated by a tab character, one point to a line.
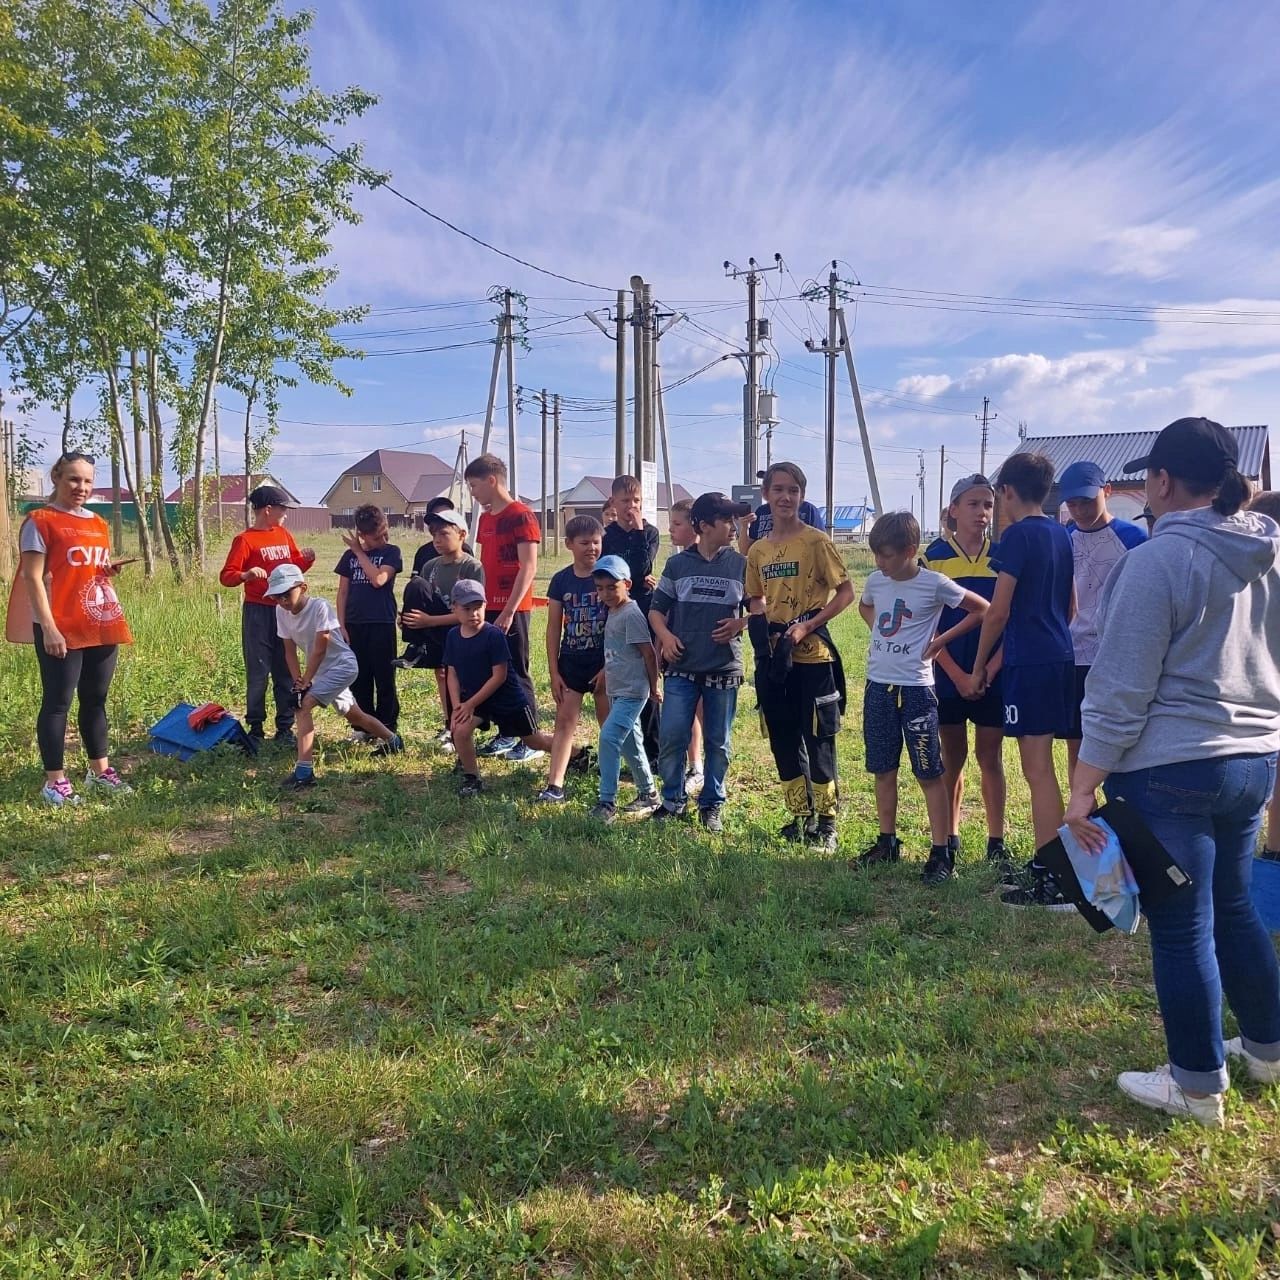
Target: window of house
355	484
377	484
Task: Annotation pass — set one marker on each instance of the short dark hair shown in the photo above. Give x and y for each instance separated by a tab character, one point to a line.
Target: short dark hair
895	531
442	503
1266	503
582	527
486	465
1029	475
786	469
682	507
369	519
625	485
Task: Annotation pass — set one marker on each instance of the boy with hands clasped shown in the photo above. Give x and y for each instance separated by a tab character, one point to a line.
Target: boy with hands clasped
902	603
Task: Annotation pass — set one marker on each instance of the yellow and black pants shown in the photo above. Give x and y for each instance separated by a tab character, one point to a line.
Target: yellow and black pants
801	719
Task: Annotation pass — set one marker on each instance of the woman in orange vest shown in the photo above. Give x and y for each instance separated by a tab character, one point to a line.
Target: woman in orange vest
78	625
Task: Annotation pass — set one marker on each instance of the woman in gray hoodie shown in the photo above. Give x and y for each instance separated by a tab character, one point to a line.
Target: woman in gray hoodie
1182	720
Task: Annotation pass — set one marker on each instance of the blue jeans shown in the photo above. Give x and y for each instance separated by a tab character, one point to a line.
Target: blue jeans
622	738
679	706
1207	940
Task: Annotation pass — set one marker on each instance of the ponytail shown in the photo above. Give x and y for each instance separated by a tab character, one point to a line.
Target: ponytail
1234	492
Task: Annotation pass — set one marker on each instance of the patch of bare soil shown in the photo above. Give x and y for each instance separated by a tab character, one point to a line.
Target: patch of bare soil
427	886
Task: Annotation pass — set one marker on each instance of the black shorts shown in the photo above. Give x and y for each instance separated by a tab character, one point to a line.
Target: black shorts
1076	731
579	670
511	722
987	712
894	713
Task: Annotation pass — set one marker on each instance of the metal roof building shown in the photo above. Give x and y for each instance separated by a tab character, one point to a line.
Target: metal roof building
850	520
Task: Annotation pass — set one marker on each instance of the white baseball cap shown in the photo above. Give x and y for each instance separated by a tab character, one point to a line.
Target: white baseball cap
283	578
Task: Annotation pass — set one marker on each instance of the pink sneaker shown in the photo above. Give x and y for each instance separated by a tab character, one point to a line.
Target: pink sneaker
59	793
107	783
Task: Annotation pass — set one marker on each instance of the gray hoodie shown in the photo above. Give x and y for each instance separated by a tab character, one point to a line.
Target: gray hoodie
1189	662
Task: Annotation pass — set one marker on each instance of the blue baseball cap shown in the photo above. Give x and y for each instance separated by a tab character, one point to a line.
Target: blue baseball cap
1081	480
612	567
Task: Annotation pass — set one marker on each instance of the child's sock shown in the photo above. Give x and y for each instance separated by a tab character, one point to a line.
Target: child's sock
995	844
888	839
304	769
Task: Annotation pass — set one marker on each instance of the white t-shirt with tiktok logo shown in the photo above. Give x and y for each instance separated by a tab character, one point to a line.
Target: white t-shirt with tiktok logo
906	619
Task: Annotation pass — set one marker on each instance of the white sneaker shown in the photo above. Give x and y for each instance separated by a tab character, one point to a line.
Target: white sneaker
522	753
59	793
1259	1068
1161	1092
107	783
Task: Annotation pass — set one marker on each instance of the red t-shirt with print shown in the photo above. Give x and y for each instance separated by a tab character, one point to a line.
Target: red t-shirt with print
500	537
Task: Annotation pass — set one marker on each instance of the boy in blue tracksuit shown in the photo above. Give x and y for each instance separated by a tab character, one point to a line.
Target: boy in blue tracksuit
1032	605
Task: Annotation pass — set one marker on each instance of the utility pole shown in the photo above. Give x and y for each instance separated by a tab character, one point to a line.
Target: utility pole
619	338
499	345
513	452
639	325
755	331
985	419
862	417
659	331
829	349
920	478
544	513
459	469
942	471
555	467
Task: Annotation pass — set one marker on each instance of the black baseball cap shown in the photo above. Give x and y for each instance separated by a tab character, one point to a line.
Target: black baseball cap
1191	449
270	495
715	506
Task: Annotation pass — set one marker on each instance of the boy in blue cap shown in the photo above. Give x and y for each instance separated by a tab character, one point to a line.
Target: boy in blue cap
1098	540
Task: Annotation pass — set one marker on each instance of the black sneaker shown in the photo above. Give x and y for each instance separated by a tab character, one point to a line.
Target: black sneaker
605	813
470	786
582	760
412	657
879	852
1042	892
256	733
298	781
799	829
644	804
940	867
824	837
998	856
285	738
711	819
663	814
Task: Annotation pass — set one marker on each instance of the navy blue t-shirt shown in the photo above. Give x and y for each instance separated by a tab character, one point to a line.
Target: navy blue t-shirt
474	660
584	615
762	525
1037	551
365	602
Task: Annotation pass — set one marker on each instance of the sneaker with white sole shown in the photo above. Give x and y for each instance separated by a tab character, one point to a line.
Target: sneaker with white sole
1259	1068
107	783
59	793
551	795
522	753
645	804
1161	1092
498	745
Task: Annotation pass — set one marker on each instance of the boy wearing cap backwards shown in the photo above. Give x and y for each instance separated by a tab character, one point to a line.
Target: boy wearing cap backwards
1032	607
252	556
796	583
309	623
631	681
1098	540
483	684
575	651
428	614
963	554
509	537
901	604
698	620
367	612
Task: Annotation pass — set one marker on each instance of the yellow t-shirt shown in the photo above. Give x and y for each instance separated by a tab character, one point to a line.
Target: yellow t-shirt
794	577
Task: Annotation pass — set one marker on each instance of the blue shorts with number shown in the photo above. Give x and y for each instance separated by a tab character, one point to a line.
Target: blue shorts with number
1039	699
894	713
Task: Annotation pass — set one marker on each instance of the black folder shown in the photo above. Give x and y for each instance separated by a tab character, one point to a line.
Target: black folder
1157	874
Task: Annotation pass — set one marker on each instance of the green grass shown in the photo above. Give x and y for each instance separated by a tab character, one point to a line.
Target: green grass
373	1032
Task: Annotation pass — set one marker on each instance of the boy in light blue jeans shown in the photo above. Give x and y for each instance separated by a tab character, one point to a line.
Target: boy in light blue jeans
631	680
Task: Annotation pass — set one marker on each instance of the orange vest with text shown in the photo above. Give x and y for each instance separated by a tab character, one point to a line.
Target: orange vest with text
82	598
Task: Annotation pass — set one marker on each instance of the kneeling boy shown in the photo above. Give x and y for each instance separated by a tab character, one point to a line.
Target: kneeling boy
310	623
483	685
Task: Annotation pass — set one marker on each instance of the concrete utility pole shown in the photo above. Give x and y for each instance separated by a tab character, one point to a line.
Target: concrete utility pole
639	326
555	467
862	417
499	345
619	338
513	450
985	419
544	514
660	330
829	350
755	331
920	478
942	471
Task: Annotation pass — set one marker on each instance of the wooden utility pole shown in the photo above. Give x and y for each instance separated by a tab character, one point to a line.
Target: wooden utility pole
862	417
555	468
499	345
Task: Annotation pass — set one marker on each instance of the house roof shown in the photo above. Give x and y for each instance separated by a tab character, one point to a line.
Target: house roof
592	489
233	487
1112	450
103	494
431	484
400	466
848	517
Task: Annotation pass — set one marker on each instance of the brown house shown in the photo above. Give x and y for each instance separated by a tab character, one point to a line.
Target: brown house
400	482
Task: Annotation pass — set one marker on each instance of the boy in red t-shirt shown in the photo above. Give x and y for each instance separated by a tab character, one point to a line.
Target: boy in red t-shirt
253	554
509	537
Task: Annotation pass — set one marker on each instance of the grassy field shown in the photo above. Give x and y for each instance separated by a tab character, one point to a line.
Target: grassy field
374	1032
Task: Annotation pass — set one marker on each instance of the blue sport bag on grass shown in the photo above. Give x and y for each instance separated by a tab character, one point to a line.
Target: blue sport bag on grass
172	735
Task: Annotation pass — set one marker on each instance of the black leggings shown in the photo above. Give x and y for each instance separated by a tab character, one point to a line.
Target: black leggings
85	673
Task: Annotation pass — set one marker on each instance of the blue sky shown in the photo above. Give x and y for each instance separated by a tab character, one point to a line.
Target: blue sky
1119	154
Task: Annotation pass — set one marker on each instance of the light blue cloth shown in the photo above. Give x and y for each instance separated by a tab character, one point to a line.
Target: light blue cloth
1106	879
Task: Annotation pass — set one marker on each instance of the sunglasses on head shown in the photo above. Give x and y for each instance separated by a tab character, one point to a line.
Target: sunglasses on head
78	455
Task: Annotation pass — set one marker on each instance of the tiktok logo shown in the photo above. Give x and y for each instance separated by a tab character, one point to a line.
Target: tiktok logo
889	624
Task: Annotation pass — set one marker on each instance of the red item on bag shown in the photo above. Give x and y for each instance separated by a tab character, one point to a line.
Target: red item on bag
204	715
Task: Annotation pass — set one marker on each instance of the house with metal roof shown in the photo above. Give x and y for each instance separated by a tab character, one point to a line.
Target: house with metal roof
1112	450
397	480
589	495
853	521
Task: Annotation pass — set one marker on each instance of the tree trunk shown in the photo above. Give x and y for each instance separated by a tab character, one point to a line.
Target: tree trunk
139	497
117	528
119	445
66	424
211	382
161	516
